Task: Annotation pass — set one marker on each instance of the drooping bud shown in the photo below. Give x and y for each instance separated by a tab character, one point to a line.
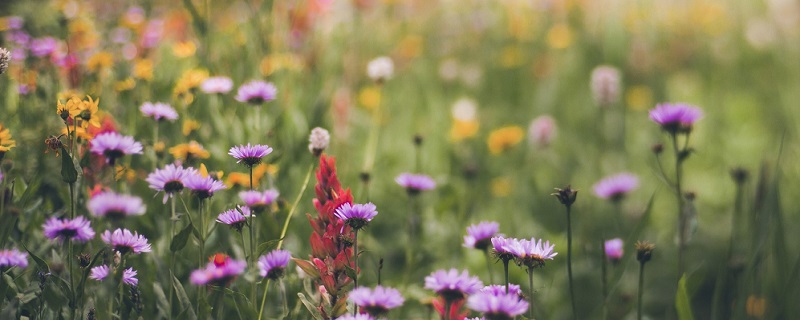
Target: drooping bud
644	251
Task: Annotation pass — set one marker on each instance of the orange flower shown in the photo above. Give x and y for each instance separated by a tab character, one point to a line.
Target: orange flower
504	138
189	151
6	142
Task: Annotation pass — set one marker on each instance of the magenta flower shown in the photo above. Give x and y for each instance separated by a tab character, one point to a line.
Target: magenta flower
415	183
100	273
497	307
219	272
497	289
273	264
377	302
13	258
217	85
675	117
235	218
124	241
41	47
78	229
159	111
250	155
532	253
113	146
615	187
256	92
358	215
542	131
503	247
614	249
479	235
115	206
203	187
171	179
258	201
452	285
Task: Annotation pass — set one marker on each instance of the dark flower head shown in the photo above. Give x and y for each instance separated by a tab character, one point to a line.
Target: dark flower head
250	155
124	241
675	117
203	187
452	285
502	248
615	187
414	183
566	196
479	235
376	302
235	218
497	307
358	215
115	206
644	251
273	264
256	92
532	253
171	179
78	229
258	201
113	146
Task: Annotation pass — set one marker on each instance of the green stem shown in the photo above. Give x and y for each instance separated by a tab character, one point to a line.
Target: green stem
569	261
679	195
173	221
447	306
72	200
604	278
489	265
202	233
263	299
71	281
252	236
641	291
530	294
505	270
355	264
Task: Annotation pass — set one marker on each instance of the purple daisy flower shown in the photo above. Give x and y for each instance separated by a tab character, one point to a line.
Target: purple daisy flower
451	285
614	249
78	229
479	235
159	111
415	183
259	201
497	307
217	85
615	187
13	258
256	92
170	179
100	273
377	302
357	215
15	22
113	146
124	241
532	253
360	316
273	264
235	218
675	117
250	155
218	273
497	289
503	247
203	187
41	47
115	206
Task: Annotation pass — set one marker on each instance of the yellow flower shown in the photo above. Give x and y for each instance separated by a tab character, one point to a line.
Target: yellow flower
67	94
6	142
410	47
501	187
370	97
511	57
463	129
184	49
281	61
217	175
124	172
639	97
100	61
188	81
85	110
143	69
504	138
189	151
189	126
559	36
243	179
756	307
125	85
82	133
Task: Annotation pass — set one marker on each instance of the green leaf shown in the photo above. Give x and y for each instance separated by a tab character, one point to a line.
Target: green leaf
183	299
162	303
310	306
340	308
350	272
643	221
307	267
68	172
30	191
39	262
682	301
86	271
179	241
265	246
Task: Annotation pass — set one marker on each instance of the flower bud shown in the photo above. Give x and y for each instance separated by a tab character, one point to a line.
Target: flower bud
380	69
319	141
5	55
605	85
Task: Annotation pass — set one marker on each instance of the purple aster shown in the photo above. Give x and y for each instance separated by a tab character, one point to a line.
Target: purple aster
170	179
479	235
415	183
100	273
124	241
360	316
115	206
218	272
497	307
41	47
259	201
235	218
218	85
15	22
451	285
503	247
532	253
377	302
357	215
159	111
13	258
675	117
250	155
497	289
273	264
78	229
613	249
256	92
113	146
616	186
203	187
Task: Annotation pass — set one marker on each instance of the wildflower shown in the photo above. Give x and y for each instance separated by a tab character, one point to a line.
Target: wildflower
100	273
318	141
124	241
451	285
78	229
170	179
414	183
5	55
256	92
159	111
115	206
360	316
188	82
370	97
644	251
502	247
479	235
100	61
498	290
497	307
6	141
85	110
242	179
675	117
189	151
250	155
465	123
532	253
542	131
605	85
235	218
41	47
189	126
273	264
358	215
376	302
113	145
613	249
380	69
615	187
219	272
217	85
143	69
13	258
203	187
504	139
566	196
258	201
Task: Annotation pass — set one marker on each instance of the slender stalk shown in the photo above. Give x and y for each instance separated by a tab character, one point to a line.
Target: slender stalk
155	142
679	195
252	234
489	265
355	263
604	277
172	257
447	306
72	200
71	281
569	261
202	234
505	270
263	299
530	292
641	291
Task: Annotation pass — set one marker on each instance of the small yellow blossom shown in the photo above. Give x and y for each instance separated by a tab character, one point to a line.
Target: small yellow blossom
501	187
217	175
84	110
82	133
184	49
559	36
243	179
410	47
511	57
639	97
281	61
143	69
67	94
463	129
188	151
756	307
123	172
188	82
370	97
6	141
125	85
189	126
100	61
504	138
